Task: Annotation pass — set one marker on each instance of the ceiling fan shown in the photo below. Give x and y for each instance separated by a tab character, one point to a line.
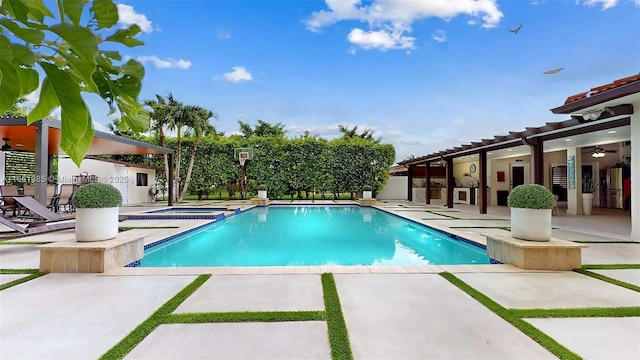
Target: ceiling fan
597	151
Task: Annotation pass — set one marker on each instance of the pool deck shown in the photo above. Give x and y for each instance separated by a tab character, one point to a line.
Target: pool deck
391	312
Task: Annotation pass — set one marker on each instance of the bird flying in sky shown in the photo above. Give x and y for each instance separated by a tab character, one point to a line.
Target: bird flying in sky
553	71
515	31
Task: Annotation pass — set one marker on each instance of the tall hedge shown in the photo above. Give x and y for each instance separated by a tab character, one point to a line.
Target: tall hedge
288	166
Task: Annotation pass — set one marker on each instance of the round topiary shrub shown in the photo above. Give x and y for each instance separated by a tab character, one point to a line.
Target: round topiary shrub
262	187
531	196
97	195
367	188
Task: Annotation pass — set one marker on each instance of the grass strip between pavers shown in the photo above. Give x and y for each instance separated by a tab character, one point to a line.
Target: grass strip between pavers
531	331
611	266
244	316
135	337
577	313
608	279
34	274
338	334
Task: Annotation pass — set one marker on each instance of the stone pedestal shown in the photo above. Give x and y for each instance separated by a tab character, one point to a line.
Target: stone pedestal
259	202
555	254
366	202
91	257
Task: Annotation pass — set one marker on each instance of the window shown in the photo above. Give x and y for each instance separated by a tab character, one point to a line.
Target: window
142	179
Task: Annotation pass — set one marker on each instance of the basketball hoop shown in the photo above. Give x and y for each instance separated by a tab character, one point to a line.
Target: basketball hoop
242	155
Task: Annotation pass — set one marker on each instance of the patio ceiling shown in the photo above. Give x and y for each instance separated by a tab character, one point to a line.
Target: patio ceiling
22	137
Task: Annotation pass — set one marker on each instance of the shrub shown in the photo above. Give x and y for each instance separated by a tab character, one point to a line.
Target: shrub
531	196
97	195
262	187
367	188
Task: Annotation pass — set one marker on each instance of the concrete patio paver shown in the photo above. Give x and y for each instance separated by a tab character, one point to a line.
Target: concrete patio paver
423	316
78	316
19	257
290	340
631	276
299	292
611	254
595	338
550	290
7	278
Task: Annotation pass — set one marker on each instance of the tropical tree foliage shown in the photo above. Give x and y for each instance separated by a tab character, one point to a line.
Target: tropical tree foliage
72	51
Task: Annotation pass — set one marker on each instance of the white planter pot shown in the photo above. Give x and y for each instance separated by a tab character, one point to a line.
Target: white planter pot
262	194
587	203
531	224
96	224
366	194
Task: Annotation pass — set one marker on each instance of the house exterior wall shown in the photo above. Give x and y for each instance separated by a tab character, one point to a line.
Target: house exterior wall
635	172
67	169
121	176
140	194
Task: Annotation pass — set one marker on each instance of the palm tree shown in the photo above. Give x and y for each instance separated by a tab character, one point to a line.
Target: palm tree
198	122
159	120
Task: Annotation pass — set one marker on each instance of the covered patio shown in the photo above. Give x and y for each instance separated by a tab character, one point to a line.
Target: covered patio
603	121
43	139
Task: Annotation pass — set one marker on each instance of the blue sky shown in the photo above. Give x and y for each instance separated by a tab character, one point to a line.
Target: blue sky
425	75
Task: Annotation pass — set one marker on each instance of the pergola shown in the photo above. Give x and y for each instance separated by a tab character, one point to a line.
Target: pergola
43	139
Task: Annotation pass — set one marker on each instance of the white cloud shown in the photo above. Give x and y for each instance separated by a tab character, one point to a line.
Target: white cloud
606	4
238	74
390	20
127	17
637	2
165	63
381	40
440	36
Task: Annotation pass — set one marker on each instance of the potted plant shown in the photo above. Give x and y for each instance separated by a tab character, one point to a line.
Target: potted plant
589	187
96	207
262	191
366	192
531	206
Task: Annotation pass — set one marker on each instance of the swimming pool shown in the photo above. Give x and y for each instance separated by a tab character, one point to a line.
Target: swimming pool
313	235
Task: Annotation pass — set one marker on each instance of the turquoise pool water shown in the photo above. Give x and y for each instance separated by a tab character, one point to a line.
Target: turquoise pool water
313	235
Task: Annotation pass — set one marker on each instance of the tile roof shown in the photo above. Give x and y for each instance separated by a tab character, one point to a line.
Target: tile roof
602	88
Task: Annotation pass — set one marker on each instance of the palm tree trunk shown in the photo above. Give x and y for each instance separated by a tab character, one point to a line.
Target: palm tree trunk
188	178
166	158
178	159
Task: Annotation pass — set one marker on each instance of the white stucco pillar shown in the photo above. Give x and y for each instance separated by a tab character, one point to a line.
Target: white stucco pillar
2	167
635	172
574	182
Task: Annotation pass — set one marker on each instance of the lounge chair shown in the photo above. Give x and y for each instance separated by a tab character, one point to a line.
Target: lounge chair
26	231
8	192
53	198
38	214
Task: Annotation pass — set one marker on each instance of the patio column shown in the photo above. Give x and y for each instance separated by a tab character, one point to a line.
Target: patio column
451	182
635	172
574	182
410	182
482	183
41	162
427	177
537	160
170	179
